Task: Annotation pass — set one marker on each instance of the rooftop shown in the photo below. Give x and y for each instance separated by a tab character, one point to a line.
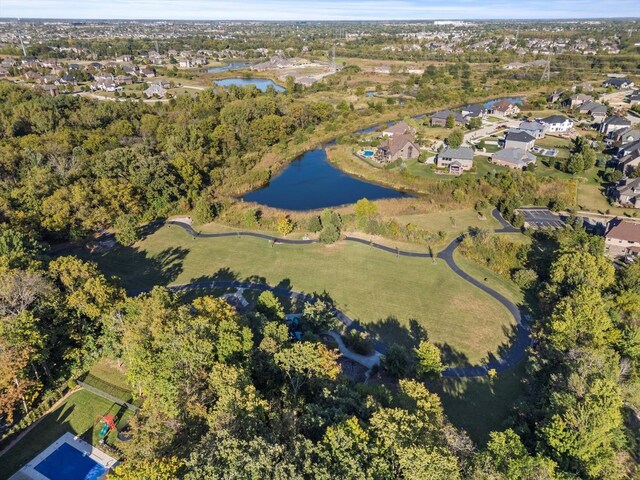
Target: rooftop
623	230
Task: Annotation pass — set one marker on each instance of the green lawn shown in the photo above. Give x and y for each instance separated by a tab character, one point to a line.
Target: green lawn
379	289
478	405
107	377
79	414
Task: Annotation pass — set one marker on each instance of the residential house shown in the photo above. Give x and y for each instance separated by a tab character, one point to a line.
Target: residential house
400	128
439	119
613	123
622	238
148	72
555	96
506	108
155	90
50	89
629	162
557	123
474	111
67	80
31	75
124	58
634	98
619	83
49	79
399	146
95	66
457	160
519	139
4	72
627	192
585	86
186	63
625	135
124	79
627	148
595	109
577	100
516	158
535	129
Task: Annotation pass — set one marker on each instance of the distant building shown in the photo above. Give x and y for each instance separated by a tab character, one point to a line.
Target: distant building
155	90
595	109
457	160
619	83
577	100
622	238
557	123
474	111
516	158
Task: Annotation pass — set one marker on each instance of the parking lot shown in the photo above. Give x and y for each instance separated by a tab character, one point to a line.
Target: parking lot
541	218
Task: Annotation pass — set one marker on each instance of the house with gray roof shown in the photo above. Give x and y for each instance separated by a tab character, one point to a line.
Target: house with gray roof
577	100
595	109
557	123
619	83
634	98
613	123
474	111
439	119
457	160
627	192
516	158
535	129
519	139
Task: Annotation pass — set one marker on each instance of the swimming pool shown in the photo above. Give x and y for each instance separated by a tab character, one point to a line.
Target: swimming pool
367	153
69	463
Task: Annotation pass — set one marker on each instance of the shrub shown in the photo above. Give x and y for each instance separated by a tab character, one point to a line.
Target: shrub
397	362
329	234
313	224
359	342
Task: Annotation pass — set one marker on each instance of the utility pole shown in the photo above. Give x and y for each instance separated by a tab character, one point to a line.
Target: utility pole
334	67
546	75
24	51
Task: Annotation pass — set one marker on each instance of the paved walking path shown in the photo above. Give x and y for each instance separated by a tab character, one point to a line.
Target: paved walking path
516	352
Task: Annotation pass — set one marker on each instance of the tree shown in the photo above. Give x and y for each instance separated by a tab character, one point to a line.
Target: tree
285	226
157	468
365	209
397	361
306	362
428	360
451	121
455	138
314	224
329	234
127	230
269	305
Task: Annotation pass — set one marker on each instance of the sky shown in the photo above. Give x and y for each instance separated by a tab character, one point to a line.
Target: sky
317	9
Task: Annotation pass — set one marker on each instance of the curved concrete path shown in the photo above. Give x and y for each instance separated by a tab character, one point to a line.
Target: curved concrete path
516	352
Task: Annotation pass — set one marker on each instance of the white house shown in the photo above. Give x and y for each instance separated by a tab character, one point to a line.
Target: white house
557	123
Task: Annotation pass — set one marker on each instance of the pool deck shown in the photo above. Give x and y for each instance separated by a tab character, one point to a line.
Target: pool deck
28	472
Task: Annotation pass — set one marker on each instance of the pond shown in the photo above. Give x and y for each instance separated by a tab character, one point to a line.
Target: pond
311	182
228	67
491	103
260	83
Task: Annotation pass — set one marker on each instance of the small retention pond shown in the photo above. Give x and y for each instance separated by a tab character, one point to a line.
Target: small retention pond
260	83
311	182
228	67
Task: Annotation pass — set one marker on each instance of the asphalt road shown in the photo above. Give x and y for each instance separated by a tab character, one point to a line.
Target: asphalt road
510	355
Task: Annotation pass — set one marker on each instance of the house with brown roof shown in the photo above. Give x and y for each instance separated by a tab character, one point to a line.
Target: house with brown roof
506	108
397	147
439	119
622	238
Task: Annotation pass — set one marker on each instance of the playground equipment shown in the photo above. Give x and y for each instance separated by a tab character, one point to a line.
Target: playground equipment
109	425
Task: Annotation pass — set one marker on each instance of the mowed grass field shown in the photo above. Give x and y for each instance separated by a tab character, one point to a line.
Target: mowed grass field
377	288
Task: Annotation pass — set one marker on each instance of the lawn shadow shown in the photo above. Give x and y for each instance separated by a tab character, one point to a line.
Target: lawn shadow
389	331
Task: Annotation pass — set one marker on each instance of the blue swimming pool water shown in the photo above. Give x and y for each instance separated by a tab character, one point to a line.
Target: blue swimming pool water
368	153
68	463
